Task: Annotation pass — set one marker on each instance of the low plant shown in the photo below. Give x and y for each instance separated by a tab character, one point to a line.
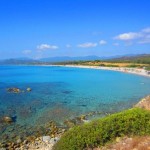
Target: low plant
131	122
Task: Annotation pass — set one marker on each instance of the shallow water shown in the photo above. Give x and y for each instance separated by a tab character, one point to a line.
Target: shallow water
59	93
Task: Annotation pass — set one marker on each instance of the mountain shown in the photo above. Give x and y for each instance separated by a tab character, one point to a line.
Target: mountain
67	58
17	61
142	58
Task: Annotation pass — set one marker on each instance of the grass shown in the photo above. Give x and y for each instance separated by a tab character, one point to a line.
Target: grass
126	143
131	122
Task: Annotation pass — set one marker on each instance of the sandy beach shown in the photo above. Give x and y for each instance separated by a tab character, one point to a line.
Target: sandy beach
137	71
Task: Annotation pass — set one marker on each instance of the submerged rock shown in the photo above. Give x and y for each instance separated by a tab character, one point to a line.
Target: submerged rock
29	89
7	119
13	90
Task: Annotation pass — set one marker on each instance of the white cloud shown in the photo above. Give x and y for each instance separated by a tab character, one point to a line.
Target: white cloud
102	42
26	52
46	46
140	37
87	45
128	36
68	46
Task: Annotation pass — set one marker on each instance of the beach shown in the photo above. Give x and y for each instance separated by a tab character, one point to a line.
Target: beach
137	71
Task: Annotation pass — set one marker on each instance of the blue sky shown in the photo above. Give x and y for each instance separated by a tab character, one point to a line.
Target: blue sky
47	28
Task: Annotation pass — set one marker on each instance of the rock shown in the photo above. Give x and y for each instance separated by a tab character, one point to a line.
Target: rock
46	138
25	142
83	117
29	89
69	123
54	140
19	141
86	121
118	139
7	119
2	148
13	90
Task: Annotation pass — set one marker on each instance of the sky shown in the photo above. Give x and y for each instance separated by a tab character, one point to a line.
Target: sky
49	28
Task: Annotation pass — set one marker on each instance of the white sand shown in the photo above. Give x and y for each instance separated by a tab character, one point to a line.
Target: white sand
136	71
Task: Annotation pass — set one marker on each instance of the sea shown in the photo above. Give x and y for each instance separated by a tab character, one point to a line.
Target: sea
60	93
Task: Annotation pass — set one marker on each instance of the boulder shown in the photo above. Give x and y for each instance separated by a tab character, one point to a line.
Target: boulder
7	119
46	138
13	90
29	89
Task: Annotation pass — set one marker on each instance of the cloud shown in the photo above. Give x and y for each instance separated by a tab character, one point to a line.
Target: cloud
46	46
26	52
102	42
128	36
87	45
140	37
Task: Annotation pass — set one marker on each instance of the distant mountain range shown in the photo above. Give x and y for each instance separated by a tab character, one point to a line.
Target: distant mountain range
51	60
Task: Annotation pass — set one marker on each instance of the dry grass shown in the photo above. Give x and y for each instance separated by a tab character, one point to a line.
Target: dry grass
110	63
134	143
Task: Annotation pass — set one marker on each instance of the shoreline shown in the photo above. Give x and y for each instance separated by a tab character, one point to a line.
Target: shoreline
47	142
136	71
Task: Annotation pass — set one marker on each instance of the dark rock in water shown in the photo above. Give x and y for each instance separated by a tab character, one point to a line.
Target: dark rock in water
65	102
83	105
13	90
70	123
7	119
14	118
67	92
29	89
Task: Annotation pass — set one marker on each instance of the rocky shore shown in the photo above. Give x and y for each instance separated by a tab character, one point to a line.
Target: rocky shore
52	132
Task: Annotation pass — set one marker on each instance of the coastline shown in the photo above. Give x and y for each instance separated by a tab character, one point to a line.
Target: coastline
137	71
47	142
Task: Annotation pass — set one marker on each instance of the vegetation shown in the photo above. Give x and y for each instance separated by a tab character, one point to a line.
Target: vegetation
139	59
133	66
147	68
131	122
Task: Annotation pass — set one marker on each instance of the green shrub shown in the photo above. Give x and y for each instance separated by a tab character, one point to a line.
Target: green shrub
111	65
133	66
147	68
97	133
102	65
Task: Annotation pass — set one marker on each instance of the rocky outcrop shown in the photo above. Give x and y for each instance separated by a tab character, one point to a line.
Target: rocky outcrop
144	103
29	89
17	90
7	119
13	90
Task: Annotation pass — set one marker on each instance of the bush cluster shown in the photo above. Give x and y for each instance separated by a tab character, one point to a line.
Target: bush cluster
135	121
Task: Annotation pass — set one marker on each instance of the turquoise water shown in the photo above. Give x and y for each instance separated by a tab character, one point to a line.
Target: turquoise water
59	93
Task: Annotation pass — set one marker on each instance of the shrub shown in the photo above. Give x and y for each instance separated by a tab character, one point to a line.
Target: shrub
112	65
148	68
133	66
135	121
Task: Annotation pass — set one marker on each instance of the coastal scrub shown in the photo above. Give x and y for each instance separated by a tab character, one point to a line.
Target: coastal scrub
131	122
